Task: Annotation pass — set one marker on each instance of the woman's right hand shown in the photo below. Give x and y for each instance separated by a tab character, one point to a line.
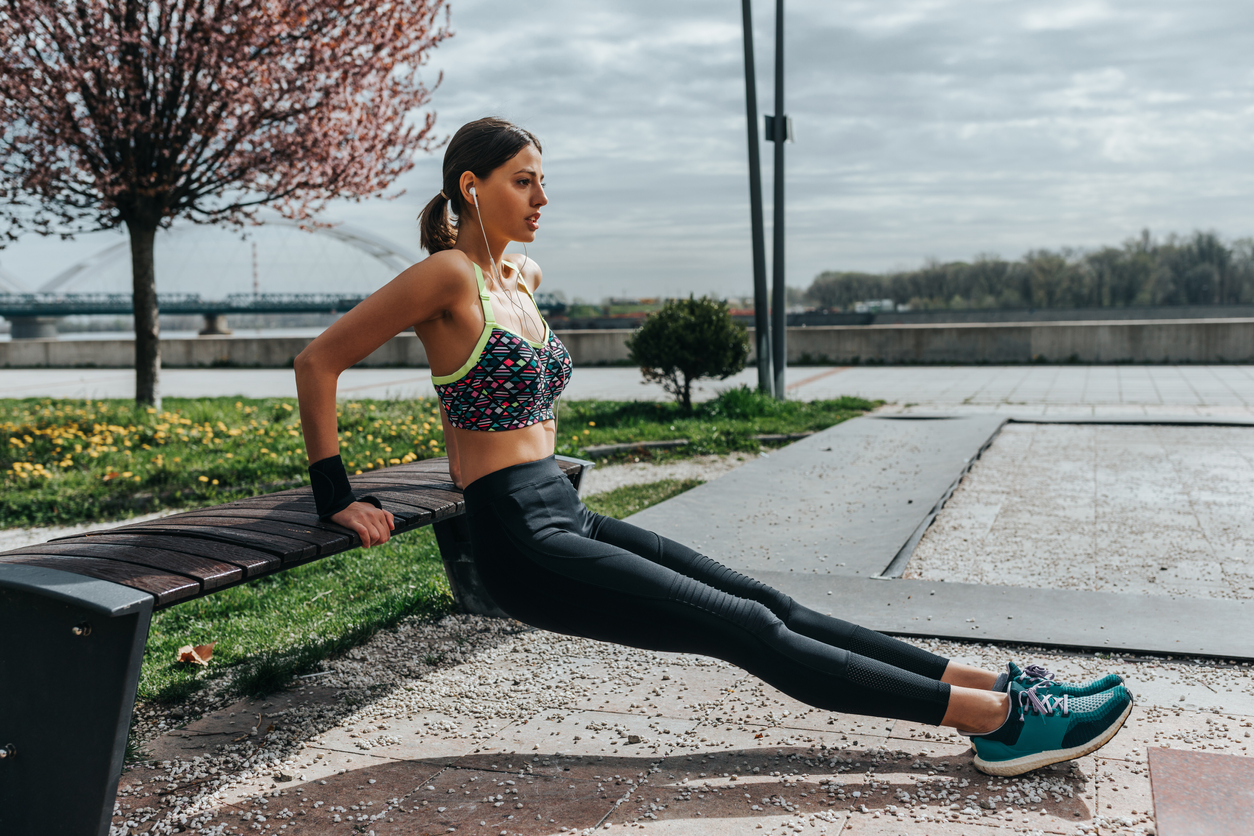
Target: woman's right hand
373	525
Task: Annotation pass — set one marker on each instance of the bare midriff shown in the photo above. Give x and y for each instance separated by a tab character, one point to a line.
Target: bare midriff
476	453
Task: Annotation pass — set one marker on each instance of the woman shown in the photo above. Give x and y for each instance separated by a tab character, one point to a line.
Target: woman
550	562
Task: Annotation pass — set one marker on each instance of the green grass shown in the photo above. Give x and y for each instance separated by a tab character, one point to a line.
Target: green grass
625	501
724	424
69	461
280	626
66	461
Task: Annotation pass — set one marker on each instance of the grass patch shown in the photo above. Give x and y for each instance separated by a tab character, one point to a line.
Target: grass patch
627	500
69	461
724	424
280	626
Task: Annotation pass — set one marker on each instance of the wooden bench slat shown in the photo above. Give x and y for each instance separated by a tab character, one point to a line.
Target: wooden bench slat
325	539
431	505
298	518
287	549
309	531
211	574
411	478
438	509
253	562
401	506
165	588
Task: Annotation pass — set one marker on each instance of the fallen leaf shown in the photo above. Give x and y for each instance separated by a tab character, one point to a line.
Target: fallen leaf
198	655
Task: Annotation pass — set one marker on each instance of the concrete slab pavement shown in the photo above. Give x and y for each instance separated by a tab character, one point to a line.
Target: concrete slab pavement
735	755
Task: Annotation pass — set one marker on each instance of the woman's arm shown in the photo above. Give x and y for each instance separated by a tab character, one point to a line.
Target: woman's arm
421	292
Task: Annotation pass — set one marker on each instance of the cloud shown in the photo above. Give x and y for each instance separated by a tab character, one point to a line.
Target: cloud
924	128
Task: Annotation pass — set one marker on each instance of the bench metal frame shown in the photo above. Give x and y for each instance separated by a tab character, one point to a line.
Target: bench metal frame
73	646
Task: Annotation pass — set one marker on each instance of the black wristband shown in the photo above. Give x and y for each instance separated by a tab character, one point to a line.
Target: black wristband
331	490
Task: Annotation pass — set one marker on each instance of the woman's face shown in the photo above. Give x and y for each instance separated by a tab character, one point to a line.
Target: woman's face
511	196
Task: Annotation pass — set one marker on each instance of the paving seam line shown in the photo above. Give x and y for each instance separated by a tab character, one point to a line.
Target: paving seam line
1112	421
897	566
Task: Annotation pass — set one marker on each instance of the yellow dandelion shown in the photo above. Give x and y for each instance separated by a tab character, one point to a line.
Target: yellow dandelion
203	478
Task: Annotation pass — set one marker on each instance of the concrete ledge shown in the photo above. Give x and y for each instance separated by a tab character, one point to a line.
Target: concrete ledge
1116	341
1095	621
588	348
1132	341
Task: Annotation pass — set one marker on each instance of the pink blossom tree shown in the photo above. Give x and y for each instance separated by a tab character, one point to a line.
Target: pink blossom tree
138	112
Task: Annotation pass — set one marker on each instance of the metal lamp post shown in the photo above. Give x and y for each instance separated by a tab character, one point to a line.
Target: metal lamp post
779	131
761	320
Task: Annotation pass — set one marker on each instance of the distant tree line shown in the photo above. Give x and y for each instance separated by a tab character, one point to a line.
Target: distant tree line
1197	270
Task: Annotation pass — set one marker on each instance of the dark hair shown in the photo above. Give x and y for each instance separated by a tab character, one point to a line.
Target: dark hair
478	147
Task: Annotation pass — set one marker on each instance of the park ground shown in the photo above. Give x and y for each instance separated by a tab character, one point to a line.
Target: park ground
465	724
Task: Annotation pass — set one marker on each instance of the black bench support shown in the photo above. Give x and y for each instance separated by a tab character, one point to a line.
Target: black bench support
69	668
453	537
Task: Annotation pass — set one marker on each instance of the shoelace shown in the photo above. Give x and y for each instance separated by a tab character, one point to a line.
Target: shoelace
1036	672
1029	698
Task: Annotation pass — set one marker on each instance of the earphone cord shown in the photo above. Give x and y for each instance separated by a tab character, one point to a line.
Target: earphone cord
524	316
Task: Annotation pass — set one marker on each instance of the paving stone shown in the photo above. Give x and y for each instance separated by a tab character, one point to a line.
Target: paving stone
1108	508
431	736
760	824
549	803
669	690
1202	794
206	733
1155	726
315	765
757	702
371	788
1123	792
598	732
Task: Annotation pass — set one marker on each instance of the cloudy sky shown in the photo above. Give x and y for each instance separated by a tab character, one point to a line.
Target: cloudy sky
924	128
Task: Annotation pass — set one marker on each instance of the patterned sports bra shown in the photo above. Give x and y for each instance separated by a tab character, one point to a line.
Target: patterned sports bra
508	381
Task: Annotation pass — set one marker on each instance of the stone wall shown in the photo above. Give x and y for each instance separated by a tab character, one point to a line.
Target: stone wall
1145	341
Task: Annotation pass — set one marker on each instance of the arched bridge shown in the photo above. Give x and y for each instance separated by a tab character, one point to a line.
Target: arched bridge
33	314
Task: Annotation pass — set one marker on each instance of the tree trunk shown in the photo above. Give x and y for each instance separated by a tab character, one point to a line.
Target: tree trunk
147	327
687	394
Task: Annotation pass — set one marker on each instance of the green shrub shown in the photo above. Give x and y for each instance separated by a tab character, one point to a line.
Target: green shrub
686	340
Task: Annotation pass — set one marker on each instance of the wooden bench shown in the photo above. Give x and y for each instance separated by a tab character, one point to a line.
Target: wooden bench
75	612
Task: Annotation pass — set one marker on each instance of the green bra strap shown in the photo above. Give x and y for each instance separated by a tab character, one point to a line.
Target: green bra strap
485	298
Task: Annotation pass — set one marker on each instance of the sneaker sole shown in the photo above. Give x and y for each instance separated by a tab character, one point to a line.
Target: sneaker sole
1027	763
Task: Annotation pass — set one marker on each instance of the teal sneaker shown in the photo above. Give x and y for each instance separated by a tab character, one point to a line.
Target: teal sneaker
1043	728
1037	675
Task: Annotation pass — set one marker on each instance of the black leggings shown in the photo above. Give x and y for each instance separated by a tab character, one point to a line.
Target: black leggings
550	562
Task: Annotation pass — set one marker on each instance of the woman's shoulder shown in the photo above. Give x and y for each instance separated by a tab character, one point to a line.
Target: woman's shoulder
526	267
450	269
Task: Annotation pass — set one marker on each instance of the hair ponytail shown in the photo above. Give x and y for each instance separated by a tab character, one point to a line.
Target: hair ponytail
479	147
435	232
